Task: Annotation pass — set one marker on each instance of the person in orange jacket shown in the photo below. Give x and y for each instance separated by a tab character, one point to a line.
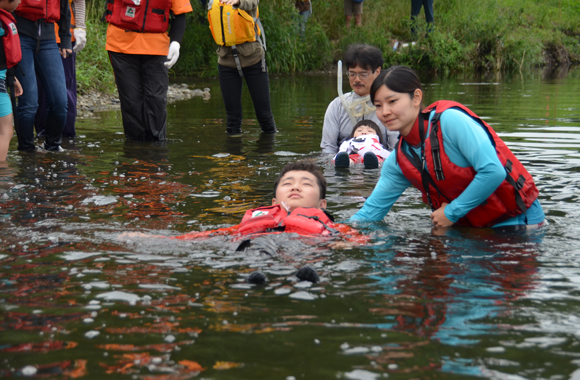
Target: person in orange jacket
143	41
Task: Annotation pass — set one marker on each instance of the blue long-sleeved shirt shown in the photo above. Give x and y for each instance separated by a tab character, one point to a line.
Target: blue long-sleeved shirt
467	145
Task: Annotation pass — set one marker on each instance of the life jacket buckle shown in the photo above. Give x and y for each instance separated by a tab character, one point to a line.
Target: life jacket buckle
520	182
436	117
508	166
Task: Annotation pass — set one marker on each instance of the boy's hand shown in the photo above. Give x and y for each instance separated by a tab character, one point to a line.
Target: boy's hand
17	88
230	2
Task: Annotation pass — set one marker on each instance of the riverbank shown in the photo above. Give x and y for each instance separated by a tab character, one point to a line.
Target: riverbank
484	36
97	101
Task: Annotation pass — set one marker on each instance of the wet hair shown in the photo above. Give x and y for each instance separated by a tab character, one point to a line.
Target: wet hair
307	166
400	79
365	56
371	124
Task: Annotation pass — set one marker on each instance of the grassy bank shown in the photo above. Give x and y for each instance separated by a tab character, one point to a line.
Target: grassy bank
491	35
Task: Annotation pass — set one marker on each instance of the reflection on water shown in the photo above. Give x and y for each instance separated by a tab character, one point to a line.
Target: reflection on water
84	293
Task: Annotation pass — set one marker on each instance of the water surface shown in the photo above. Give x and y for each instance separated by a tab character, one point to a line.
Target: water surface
82	294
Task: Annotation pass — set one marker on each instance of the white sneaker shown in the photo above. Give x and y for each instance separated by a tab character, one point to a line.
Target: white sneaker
42	149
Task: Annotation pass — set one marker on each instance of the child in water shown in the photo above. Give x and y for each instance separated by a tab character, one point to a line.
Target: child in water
365	146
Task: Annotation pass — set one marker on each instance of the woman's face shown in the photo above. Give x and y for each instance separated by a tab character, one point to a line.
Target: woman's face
397	111
364	130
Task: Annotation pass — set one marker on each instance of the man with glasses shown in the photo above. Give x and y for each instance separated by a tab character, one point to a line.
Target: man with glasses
363	64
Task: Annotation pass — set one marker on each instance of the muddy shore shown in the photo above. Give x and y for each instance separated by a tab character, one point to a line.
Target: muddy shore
94	101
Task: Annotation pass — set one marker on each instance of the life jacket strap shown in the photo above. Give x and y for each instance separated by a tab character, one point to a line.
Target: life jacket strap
237	59
436	147
518	185
326	227
261	37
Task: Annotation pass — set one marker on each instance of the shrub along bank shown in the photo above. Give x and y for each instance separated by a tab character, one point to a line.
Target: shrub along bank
488	35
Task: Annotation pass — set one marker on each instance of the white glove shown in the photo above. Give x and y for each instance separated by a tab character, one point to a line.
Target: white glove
80	38
173	55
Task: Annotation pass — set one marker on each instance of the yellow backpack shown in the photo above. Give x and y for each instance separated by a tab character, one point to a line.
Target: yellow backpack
230	27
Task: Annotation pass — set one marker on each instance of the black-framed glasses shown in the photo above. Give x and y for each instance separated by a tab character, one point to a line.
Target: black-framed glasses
361	75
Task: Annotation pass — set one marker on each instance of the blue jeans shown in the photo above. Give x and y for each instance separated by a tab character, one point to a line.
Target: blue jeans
46	64
302	22
70	74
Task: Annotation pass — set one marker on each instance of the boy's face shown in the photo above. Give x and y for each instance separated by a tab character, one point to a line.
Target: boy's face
364	130
298	188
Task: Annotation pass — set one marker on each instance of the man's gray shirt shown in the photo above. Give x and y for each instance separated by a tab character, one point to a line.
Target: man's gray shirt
338	127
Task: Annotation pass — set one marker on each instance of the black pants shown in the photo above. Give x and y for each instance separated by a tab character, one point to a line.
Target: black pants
259	85
416	8
142	82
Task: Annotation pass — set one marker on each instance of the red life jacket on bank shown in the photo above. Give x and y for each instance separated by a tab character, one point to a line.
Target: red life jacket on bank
10	54
303	221
33	10
145	16
443	181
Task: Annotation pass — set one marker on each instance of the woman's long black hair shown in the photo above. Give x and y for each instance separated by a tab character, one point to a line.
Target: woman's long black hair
399	79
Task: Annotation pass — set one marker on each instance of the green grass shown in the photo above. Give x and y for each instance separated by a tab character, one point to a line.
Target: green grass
486	35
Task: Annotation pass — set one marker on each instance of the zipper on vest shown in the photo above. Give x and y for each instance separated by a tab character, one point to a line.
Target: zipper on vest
222	24
145	16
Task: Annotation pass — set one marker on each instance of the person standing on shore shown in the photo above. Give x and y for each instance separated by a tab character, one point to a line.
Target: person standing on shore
141	53
304	8
416	8
353	7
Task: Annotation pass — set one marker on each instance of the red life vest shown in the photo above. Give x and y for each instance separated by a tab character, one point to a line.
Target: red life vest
145	16
48	10
11	54
303	221
446	181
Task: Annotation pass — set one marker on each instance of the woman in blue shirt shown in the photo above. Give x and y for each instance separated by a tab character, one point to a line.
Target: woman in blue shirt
473	179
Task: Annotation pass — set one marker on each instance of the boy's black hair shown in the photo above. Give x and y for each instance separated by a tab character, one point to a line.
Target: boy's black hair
307	166
368	123
365	56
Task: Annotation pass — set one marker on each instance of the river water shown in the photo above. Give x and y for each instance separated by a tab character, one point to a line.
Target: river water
86	291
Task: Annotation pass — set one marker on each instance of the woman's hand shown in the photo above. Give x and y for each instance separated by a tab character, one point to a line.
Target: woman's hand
439	219
230	2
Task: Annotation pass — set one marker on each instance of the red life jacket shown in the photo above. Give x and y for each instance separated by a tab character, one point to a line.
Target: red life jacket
303	221
445	181
11	54
48	10
145	16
